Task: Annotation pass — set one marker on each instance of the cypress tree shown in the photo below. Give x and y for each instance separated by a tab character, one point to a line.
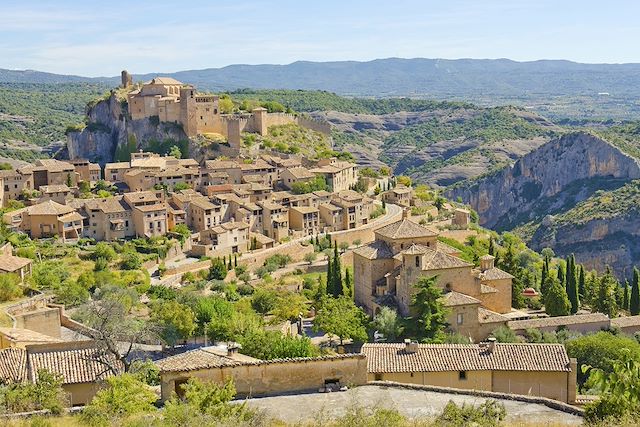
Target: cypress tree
581	282
337	273
561	275
625	295
545	275
317	241
347	290
329	286
571	284
235	260
634	298
229	266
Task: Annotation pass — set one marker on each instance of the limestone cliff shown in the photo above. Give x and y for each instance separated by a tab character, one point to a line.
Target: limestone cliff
558	174
568	195
109	128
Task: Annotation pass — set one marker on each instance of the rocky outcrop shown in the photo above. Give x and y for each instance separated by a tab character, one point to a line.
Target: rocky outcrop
110	128
550	179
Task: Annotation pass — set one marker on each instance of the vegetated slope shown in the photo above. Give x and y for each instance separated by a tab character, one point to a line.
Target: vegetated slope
550	196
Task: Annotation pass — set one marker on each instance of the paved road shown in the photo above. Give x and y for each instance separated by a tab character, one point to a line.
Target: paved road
411	403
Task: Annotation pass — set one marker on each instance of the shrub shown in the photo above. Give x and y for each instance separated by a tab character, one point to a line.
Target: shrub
488	414
9	287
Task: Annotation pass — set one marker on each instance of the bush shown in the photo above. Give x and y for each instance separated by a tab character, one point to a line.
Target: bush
488	414
131	261
9	287
105	251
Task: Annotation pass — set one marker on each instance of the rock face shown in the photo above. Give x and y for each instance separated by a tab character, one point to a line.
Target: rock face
109	128
557	175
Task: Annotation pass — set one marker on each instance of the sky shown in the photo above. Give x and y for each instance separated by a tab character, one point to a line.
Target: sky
100	38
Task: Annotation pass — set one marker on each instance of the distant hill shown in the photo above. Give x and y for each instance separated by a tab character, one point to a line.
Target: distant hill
438	78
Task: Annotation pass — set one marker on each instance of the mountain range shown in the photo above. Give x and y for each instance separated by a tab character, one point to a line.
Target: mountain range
438	78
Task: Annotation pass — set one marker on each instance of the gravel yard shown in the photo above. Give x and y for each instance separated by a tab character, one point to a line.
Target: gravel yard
411	403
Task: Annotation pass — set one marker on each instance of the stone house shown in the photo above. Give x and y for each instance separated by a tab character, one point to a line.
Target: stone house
528	369
402	252
47	219
11	264
149	213
400	195
304	220
81	364
275	220
87	171
340	175
106	219
227	238
253	377
59	193
290	176
14	182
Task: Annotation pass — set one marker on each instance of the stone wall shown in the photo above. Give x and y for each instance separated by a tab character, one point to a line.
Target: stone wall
278	376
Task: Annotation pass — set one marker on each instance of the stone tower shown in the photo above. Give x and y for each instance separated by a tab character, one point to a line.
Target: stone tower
126	78
260	120
188	111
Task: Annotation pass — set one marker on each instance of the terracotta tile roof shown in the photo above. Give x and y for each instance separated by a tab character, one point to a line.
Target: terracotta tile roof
559	321
443	247
452	299
13	365
71	216
384	358
300	172
488	316
56	188
436	260
221	164
625	322
212	358
117	165
82	362
49	208
303	209
375	250
494	274
405	229
163	81
10	263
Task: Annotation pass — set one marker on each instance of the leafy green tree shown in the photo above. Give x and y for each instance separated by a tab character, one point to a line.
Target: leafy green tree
175	152
607	292
439	203
634	298
600	350
340	317
131	260
429	318
176	321
268	345
619	391
105	251
504	334
510	264
289	306
388	324
556	301
46	393
218	270
264	300
492	246
9	287
124	396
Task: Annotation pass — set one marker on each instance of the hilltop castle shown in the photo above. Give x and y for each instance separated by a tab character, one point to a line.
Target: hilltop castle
172	101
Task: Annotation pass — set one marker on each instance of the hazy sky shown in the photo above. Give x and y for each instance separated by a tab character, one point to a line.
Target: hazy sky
98	38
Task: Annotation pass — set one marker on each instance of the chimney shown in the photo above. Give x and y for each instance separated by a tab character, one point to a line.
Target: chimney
232	349
486	262
406	213
410	347
491	344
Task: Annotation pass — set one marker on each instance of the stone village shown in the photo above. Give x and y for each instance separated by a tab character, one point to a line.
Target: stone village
250	207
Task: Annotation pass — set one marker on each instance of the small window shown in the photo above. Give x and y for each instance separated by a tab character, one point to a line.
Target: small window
460	318
462	375
417	261
378	377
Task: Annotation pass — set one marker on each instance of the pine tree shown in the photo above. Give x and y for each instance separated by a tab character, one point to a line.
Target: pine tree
634	298
571	284
337	273
581	283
